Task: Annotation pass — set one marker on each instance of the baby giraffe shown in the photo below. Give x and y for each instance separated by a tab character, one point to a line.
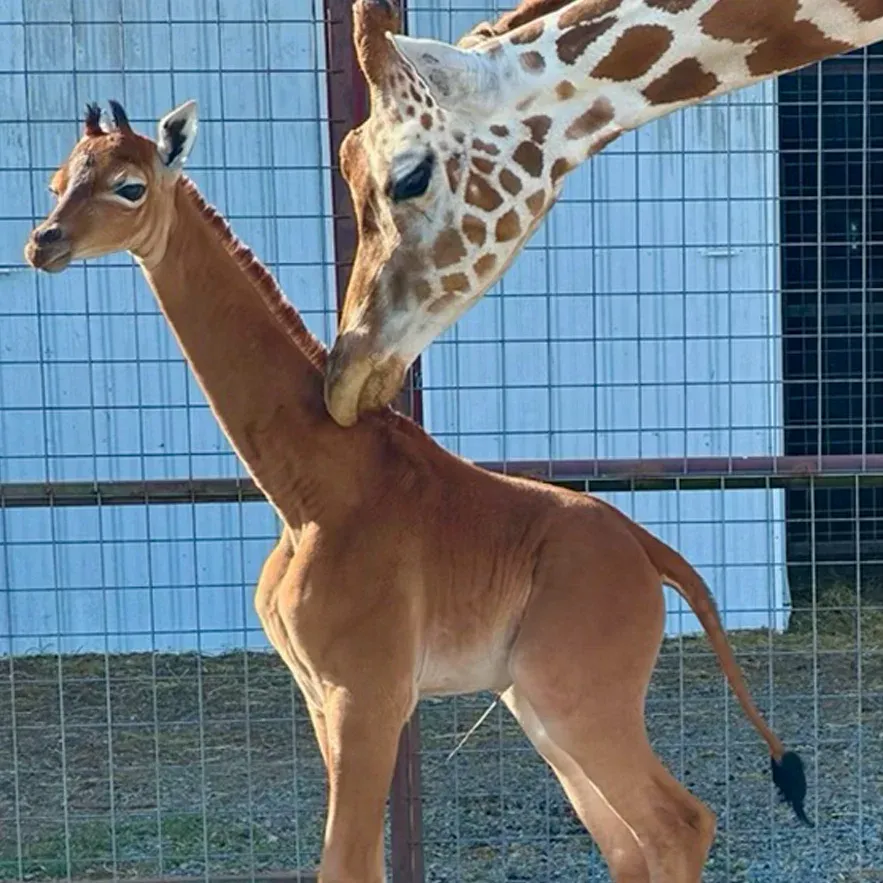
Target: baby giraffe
403	570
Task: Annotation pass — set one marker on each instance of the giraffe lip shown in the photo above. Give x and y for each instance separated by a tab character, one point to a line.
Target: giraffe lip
357	382
343	390
51	258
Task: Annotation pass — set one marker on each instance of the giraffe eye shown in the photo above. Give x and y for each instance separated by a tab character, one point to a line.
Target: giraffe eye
415	183
132	192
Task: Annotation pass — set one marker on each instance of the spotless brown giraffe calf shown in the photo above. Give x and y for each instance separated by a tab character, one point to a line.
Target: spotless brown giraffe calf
403	570
467	147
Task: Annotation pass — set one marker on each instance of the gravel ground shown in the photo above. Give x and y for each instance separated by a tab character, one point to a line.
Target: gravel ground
210	765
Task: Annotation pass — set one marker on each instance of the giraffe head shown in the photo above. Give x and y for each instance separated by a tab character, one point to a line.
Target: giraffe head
449	176
115	191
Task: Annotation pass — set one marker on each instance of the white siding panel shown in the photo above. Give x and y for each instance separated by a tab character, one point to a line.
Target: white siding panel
609	337
92	384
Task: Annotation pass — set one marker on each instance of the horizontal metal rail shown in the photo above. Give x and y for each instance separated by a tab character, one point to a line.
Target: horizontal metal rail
673	473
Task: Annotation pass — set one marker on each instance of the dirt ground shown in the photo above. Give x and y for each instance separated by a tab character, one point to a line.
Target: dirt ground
177	765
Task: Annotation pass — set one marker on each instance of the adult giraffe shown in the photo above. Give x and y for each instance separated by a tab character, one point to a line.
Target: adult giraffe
467	146
402	570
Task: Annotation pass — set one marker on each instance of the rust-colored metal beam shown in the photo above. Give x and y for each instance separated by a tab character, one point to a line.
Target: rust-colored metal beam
671	473
348	107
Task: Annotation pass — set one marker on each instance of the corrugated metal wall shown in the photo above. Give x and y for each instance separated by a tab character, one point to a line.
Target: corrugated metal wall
92	384
661	337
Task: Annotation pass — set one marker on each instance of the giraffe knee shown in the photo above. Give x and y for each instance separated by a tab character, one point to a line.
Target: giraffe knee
627	864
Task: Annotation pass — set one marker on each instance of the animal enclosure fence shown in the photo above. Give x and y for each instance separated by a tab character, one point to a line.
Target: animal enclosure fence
693	333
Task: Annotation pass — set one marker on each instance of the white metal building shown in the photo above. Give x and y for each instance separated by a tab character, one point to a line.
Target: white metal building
642	321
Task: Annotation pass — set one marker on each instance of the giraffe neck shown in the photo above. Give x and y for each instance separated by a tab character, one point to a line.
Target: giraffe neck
259	368
625	63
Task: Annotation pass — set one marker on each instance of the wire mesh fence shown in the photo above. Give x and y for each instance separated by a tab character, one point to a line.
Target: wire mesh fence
698	313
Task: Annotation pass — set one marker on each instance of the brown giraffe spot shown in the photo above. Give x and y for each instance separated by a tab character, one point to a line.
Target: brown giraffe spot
586	10
536	202
484	165
499	131
673	6
530	33
474	229
525	103
533	61
685	81
441	304
866	10
410	110
565	90
801	44
416	96
492	149
634	53
598	115
452	167
449	249
481	194
485	265
510	181
422	290
530	158
426	121
574	42
455	282
508	227
784	43
600	143
560	168
539	127
459	137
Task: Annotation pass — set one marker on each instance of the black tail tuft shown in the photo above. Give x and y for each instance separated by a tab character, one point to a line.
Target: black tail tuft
789	778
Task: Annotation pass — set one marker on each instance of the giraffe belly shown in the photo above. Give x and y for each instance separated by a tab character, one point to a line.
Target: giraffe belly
452	667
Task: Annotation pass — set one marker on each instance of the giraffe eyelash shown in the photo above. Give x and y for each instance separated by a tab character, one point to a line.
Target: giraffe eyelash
415	183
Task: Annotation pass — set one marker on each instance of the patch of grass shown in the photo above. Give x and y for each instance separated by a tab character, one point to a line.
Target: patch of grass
140	845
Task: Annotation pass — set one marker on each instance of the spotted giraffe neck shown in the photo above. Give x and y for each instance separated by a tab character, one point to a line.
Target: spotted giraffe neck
609	66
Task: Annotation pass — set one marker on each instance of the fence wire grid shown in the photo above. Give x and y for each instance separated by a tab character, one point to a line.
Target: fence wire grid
694	334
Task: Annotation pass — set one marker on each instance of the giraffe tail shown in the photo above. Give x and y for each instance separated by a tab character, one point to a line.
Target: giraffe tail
787	766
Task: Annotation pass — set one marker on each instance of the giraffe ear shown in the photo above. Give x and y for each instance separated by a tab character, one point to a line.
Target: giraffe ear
177	134
454	75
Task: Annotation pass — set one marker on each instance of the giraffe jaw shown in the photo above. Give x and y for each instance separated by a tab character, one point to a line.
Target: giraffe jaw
357	382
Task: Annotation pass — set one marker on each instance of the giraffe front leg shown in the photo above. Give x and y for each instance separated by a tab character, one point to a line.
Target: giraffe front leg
362	731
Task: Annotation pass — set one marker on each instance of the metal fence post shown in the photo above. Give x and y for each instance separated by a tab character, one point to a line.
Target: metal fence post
347	107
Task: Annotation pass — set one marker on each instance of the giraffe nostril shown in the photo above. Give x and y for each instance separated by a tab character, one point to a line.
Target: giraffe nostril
48	235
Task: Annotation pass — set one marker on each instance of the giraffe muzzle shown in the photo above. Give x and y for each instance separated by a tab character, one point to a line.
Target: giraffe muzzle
358	381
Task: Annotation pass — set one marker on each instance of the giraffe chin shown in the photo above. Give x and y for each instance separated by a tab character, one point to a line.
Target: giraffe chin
361	386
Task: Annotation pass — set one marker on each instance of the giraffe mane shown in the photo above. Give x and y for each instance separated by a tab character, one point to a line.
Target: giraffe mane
526	12
280	307
264	282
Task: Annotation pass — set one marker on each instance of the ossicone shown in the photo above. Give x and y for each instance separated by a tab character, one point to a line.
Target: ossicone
93	120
